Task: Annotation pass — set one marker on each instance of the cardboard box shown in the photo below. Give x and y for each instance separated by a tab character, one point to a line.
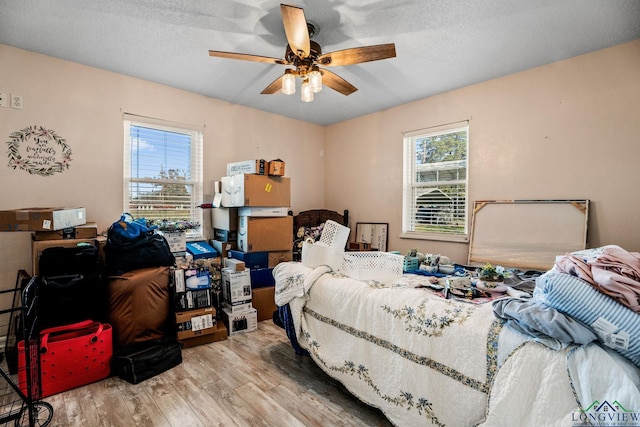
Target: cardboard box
264	302
225	235
263	211
251	259
234	264
201	249
223	247
193	299
258	166
37	246
276	257
255	190
240	322
264	234
238	308
86	231
276	167
236	286
178	280
220	334
197	278
262	277
190	324
177	241
42	219
224	218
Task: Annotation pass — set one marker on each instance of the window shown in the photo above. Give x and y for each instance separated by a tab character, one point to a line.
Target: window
435	183
163	172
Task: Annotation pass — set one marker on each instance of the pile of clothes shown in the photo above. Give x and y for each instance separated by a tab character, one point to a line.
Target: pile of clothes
590	295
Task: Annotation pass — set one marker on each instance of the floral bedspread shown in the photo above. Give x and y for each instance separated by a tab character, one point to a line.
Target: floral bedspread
425	360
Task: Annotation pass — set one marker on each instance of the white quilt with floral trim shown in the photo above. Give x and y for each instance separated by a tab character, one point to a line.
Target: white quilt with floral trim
424	360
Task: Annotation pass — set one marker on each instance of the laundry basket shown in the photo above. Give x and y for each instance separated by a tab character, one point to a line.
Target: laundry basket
372	265
329	250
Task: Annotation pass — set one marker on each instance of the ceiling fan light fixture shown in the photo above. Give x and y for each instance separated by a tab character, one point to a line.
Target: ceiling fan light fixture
289	84
306	93
315	80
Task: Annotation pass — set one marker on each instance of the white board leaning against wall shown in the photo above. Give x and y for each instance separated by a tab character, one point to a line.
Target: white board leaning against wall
527	234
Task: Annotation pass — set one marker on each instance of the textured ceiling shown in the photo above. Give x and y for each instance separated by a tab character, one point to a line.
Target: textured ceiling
440	44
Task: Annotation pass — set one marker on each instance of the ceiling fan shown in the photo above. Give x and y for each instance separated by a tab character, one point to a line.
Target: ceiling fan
306	56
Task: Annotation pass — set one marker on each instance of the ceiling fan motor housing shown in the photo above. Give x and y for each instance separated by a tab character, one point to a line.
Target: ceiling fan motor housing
303	65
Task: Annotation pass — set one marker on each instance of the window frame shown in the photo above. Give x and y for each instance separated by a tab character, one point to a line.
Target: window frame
195	166
409	205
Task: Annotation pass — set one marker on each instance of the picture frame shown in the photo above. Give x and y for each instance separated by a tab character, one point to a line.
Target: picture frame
375	235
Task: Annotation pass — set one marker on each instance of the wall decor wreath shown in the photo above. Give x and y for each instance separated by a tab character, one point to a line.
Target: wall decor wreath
38	151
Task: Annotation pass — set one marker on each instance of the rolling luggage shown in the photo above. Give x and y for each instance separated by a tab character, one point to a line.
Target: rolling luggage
71	286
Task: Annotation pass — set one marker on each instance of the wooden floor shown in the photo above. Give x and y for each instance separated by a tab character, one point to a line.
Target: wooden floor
251	379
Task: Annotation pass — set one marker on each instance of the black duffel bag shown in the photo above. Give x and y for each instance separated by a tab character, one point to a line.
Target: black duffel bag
141	361
146	251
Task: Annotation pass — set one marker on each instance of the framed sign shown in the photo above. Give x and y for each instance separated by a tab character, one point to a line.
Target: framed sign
376	234
39	151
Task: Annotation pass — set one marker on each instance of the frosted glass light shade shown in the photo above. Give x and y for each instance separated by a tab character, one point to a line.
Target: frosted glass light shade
315	80
306	94
289	84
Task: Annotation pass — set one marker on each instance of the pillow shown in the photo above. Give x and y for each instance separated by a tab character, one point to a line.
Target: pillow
305	233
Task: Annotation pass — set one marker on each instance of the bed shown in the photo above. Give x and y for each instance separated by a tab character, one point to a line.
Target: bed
400	346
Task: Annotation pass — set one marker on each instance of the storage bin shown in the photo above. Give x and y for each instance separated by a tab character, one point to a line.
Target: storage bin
411	263
329	250
372	265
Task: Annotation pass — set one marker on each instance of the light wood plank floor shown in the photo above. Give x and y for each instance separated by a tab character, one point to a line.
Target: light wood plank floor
251	379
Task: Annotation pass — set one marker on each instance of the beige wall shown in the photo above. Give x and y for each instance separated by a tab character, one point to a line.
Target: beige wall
84	105
566	130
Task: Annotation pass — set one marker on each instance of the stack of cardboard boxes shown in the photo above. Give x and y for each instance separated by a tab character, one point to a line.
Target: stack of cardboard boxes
63	227
253	232
195	296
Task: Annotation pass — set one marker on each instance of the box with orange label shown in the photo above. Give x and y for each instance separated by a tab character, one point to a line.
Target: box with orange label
255	190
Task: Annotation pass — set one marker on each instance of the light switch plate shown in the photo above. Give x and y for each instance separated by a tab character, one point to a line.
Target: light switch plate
4	102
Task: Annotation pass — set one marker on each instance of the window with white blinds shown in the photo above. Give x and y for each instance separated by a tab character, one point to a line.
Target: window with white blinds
163	172
435	183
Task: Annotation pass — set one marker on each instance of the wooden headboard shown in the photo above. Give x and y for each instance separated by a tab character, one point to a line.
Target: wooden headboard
315	217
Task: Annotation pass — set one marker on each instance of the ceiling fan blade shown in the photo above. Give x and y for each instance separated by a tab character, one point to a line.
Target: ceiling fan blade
337	83
247	57
358	55
295	27
274	87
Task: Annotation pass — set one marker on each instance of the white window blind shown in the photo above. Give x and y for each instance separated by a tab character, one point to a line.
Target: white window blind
435	183
163	172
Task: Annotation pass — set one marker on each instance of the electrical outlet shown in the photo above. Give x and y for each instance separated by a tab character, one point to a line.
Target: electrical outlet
16	102
4	102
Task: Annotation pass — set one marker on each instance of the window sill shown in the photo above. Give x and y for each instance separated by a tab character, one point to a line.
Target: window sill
458	238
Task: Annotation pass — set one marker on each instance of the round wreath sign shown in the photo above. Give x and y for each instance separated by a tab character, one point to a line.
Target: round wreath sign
38	151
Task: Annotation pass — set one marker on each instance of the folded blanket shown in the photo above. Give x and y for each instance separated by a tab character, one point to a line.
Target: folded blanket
616	326
610	269
293	282
538	320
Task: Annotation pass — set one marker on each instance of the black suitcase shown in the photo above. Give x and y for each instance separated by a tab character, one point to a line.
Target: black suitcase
141	361
71	286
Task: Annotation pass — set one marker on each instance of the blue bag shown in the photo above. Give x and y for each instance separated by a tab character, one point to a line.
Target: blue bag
128	228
